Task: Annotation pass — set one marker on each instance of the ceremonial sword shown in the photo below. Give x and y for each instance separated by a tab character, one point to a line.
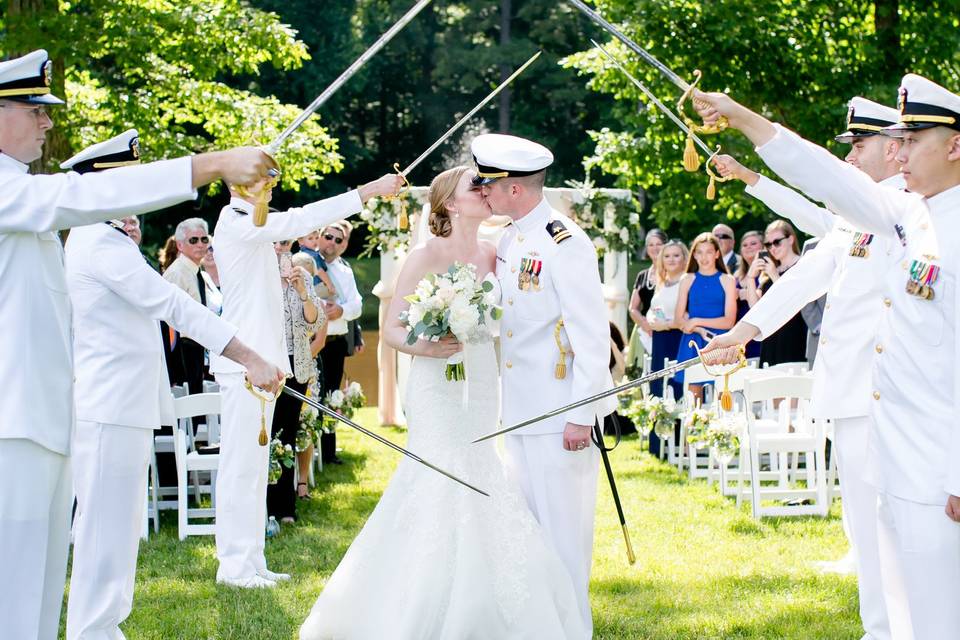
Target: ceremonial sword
627	386
347	421
261	207
666	71
348	73
402	219
684	126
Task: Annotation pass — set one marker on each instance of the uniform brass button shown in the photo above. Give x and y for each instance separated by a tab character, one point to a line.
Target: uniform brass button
823	341
509	333
509	300
923	226
887	302
513	269
904	264
876	395
519	238
879	348
826	306
509	365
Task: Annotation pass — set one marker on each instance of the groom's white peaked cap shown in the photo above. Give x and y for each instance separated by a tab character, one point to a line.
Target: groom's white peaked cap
501	156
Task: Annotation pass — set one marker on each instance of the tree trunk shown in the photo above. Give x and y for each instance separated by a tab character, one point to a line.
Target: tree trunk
506	10
31	14
886	22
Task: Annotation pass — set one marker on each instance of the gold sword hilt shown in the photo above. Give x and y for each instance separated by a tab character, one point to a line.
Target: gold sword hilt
403	218
261	205
726	398
714	177
707	129
264	397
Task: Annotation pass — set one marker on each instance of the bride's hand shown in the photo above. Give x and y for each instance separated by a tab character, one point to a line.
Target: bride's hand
443	348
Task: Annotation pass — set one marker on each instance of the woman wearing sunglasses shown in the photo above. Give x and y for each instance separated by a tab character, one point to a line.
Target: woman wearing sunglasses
781	252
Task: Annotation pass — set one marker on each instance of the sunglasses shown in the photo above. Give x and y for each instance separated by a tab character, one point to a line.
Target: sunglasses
329	236
723	236
774	243
196	239
285	242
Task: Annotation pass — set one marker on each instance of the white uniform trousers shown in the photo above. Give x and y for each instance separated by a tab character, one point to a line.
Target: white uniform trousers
920	565
561	490
241	481
35	501
110	465
860	514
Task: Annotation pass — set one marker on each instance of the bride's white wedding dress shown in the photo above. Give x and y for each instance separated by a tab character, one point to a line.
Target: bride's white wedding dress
436	560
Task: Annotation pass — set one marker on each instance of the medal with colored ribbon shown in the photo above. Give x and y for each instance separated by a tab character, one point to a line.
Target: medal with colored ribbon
529	277
860	241
922	278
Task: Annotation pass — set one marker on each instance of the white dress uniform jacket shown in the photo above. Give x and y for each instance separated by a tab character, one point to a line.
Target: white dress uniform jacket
37	365
118	352
915	402
853	282
568	288
250	274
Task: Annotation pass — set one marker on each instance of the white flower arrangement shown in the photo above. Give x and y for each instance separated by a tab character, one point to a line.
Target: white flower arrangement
280	454
381	215
455	303
623	234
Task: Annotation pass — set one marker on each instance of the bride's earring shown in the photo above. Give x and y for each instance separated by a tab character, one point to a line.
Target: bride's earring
456	213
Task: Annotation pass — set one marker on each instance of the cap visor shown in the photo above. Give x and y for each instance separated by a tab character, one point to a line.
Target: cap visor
47	98
479	181
896	130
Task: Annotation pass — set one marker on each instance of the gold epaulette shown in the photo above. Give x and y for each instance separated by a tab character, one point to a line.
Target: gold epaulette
557	231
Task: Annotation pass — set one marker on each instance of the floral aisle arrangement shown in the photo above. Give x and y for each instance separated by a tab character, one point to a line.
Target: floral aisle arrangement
311	425
344	402
624	232
281	455
720	434
654	413
454	302
382	215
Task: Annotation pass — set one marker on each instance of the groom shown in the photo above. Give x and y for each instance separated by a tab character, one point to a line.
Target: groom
554	346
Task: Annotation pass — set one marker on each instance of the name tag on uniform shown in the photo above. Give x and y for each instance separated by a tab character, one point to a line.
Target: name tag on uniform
861	241
529	277
923	277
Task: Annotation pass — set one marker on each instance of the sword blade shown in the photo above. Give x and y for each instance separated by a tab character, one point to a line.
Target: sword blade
633	46
653	98
274	146
656	375
473	111
350	423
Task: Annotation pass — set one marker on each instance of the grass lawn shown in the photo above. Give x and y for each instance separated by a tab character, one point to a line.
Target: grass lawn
704	569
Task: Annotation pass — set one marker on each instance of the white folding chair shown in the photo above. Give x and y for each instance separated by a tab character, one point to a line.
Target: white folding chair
687	455
190	461
161	497
795	436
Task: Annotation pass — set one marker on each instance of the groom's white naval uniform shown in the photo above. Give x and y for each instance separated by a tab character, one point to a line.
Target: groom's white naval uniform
253	300
37	364
548	272
122	395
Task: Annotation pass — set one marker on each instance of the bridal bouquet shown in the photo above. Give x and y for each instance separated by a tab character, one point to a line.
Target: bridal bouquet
451	303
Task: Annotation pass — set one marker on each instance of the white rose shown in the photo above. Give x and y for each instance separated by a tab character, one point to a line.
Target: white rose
414	315
354	389
445	293
599	242
624	236
463	319
634	218
336	398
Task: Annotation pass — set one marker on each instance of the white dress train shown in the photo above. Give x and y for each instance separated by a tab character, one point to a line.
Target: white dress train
436	560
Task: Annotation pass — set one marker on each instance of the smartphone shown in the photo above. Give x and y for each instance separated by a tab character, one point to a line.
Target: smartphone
286	264
709	334
764	254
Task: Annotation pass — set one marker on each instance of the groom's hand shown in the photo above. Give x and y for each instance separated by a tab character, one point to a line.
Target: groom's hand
576	437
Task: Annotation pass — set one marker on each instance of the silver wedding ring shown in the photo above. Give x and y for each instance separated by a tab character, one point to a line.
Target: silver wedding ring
580	446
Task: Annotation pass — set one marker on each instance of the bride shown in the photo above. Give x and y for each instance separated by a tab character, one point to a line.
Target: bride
435	559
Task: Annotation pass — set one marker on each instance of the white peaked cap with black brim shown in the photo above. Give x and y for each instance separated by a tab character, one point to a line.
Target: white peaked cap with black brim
501	156
27	79
867	118
924	104
119	151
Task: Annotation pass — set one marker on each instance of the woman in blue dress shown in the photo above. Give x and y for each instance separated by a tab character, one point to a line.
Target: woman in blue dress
707	300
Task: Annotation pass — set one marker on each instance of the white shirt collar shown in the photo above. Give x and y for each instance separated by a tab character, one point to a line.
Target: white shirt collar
240	203
948	200
188	263
538	216
895	181
727	256
9	163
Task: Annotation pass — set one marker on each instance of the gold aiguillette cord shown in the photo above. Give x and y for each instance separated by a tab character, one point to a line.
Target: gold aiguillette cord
264	398
726	398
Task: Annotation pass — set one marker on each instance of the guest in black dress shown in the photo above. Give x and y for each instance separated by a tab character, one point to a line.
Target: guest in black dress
646	281
789	343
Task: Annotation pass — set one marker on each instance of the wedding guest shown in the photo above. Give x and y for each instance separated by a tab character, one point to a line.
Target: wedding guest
354	330
751	243
670	266
131	227
646	282
168	253
706	301
211	278
727	242
789	343
305	458
192	237
302	315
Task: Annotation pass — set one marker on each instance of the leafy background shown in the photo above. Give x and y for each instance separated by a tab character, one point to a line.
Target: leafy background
196	76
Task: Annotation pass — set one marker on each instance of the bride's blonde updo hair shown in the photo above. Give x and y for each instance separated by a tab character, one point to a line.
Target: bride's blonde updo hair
441	191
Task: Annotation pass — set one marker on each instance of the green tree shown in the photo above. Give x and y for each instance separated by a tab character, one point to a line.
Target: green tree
796	61
166	68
